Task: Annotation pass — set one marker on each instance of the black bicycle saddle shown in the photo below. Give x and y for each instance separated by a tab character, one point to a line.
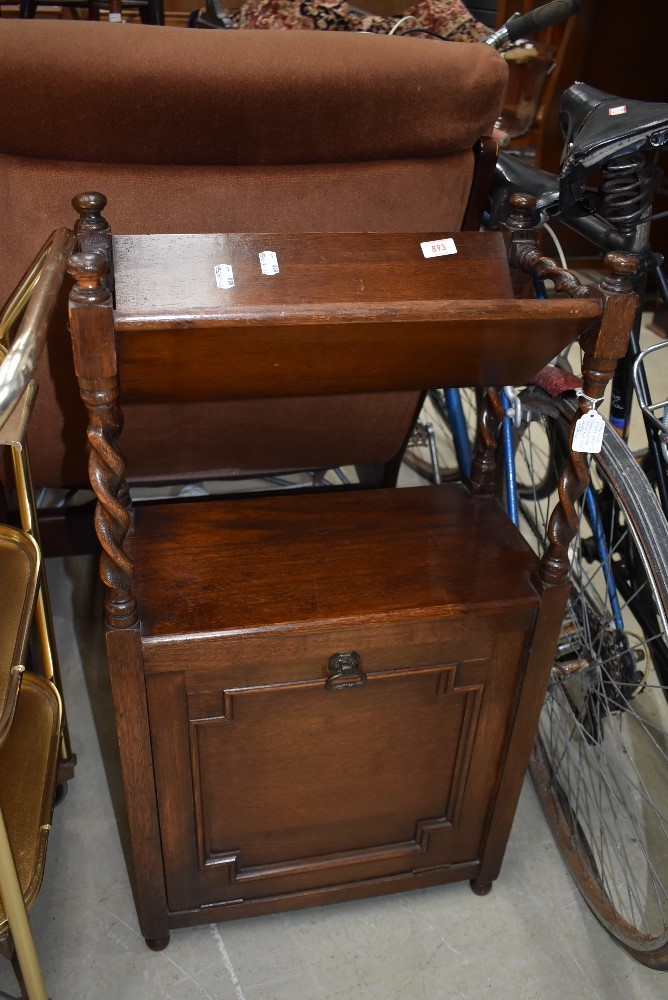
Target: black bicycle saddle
597	127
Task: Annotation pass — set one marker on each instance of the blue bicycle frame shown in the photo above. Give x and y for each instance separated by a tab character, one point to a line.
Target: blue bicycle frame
462	445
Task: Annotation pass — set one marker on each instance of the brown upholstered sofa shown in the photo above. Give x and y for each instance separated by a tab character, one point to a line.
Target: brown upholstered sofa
193	131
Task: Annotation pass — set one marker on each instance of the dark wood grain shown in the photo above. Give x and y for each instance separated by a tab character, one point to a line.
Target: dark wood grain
168	274
346	312
315	557
407	347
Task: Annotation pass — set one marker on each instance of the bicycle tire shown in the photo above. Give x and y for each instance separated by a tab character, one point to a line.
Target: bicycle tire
600	762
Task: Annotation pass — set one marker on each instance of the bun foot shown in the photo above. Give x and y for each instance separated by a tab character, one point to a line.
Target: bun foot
480	888
157	944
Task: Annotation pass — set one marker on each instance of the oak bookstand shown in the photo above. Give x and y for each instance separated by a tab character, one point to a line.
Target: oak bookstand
323	696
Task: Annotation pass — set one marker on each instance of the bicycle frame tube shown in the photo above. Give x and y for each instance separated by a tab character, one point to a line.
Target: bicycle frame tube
603	553
457	420
539	287
508	439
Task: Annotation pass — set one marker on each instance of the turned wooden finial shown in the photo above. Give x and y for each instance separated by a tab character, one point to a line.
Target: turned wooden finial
92	230
621	269
90	205
524	214
89	271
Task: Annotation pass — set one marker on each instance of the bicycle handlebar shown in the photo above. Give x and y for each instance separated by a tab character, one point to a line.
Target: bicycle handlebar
542	17
521	25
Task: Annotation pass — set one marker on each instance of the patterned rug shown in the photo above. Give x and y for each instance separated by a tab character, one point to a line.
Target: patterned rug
448	19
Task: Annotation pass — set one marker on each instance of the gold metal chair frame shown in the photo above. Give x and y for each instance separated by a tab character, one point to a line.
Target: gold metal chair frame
35	752
23	327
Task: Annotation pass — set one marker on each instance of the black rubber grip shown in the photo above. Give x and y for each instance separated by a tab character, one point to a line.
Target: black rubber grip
541	17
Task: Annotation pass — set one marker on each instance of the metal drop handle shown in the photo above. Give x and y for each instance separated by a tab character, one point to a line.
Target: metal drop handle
345	672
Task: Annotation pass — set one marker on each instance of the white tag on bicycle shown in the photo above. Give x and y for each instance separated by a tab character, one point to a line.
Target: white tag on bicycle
224	275
588	433
620	109
438	248
268	262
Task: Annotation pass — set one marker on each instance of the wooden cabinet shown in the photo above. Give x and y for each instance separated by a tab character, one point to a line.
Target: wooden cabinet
327	695
338	723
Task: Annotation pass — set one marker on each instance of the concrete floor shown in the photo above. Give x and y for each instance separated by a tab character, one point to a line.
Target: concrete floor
532	938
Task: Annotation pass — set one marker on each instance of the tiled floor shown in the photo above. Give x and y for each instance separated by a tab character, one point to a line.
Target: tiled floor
532	938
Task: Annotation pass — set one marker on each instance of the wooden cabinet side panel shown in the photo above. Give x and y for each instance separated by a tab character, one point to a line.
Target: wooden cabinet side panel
522	728
132	728
173	777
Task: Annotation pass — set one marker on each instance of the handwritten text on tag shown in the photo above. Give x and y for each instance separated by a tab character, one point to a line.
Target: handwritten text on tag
224	275
588	433
268	262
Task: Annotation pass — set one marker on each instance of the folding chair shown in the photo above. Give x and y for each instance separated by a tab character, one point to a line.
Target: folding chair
33	738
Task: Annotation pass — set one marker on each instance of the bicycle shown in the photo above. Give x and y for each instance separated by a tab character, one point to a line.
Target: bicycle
599	763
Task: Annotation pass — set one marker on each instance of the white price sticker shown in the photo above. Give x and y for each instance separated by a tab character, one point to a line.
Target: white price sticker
438	248
588	433
224	275
620	109
268	262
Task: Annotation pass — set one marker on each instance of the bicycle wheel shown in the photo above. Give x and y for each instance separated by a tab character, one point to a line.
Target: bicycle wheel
600	762
538	479
422	454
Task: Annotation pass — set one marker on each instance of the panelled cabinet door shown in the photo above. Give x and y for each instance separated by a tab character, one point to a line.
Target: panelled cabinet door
281	788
